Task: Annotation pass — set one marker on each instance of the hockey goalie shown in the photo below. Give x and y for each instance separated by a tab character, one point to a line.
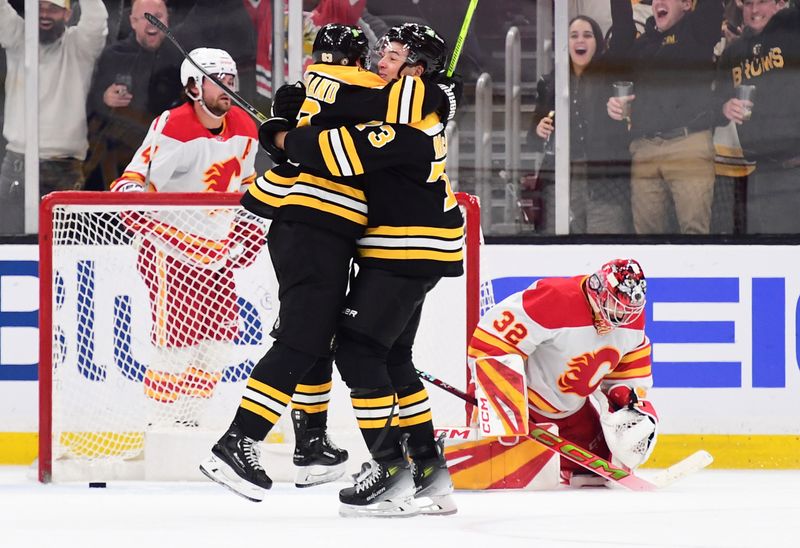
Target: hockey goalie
573	352
187	257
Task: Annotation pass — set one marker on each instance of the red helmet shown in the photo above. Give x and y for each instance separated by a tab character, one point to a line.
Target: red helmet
617	292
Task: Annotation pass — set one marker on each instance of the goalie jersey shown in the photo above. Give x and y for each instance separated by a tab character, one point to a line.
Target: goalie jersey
550	325
415	226
337	95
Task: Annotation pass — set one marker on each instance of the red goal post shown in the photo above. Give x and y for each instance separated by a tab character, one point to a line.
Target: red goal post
99	331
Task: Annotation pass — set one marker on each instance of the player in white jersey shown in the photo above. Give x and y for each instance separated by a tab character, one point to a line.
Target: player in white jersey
577	337
187	257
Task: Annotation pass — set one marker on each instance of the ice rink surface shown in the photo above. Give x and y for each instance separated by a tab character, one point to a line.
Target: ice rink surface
713	508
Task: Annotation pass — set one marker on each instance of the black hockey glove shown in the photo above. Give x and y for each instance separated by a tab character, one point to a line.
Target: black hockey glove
266	136
452	87
287	101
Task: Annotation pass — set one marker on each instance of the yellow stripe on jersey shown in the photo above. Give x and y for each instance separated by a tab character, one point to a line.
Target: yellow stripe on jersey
314	388
327	184
318	408
411	254
347	75
327	154
495	342
630	373
261	196
316	203
635	355
430	125
540	403
352	154
267	390
393	110
416	100
279	180
415	231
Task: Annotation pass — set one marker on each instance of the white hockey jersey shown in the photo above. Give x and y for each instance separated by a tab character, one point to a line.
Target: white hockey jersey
184	156
550	325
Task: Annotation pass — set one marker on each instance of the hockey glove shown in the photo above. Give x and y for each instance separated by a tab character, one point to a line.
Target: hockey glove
288	100
629	426
452	87
266	137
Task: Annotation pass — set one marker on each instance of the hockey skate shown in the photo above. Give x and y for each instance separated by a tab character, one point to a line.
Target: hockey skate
317	458
382	489
235	464
432	484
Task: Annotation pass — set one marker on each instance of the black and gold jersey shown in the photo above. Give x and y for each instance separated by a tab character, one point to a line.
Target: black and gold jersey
337	95
415	226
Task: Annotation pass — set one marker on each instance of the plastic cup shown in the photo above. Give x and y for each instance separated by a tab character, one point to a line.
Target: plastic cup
746	92
623	89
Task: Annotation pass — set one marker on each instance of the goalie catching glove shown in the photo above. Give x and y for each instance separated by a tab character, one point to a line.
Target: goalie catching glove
629	425
266	137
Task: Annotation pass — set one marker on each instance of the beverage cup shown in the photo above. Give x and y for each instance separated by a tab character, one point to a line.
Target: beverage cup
623	89
746	92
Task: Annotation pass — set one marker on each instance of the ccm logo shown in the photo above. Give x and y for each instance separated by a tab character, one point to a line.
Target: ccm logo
483	409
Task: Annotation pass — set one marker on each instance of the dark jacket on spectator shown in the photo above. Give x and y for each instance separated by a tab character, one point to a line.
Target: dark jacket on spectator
673	71
770	61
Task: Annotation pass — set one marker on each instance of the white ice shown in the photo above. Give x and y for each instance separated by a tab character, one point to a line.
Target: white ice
713	508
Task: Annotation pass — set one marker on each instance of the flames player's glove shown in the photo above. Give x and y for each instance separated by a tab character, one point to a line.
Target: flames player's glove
452	88
629	426
266	137
288	100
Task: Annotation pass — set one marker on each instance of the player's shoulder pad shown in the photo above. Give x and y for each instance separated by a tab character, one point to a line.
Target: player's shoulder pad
350	75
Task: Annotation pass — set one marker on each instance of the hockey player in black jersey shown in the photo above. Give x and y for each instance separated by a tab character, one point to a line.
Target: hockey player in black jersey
316	219
414	237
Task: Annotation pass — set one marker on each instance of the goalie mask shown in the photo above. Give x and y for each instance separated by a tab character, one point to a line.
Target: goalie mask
341	45
422	44
617	293
214	61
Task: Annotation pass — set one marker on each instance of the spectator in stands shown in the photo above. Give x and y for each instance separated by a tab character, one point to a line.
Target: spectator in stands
66	61
136	80
600	163
672	113
766	56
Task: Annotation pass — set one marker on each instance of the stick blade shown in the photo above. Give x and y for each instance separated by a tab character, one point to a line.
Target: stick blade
691	464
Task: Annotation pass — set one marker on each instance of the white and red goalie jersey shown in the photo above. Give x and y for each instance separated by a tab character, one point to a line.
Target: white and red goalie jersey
550	325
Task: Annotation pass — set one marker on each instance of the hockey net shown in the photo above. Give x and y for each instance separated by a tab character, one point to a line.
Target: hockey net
154	310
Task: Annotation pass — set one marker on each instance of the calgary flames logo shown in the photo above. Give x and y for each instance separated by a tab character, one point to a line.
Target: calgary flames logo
218	177
585	372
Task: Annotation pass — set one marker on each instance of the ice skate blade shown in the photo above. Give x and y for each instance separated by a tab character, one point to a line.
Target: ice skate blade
317	474
219	472
437	505
401	508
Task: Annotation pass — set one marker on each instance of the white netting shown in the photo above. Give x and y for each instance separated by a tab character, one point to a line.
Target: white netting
159	314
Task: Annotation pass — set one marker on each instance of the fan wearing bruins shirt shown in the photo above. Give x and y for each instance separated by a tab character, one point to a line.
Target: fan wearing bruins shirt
414	237
316	219
767	56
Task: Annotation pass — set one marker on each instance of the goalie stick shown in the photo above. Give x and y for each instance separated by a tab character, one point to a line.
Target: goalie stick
590	461
235	97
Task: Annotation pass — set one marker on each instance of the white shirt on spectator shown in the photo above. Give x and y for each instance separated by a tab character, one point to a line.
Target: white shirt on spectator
65	73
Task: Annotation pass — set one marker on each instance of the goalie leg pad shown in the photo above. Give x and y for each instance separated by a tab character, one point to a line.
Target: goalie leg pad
501	391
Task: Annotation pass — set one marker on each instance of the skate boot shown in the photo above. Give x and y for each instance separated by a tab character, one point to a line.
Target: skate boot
383	489
235	464
317	458
432	484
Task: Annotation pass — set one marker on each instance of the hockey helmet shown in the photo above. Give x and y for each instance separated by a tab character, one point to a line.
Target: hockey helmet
337	44
424	46
618	292
214	61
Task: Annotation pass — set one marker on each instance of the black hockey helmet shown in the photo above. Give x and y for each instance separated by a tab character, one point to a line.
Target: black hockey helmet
424	45
337	44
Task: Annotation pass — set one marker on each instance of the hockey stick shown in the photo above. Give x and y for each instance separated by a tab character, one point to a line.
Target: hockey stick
589	460
462	35
235	97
